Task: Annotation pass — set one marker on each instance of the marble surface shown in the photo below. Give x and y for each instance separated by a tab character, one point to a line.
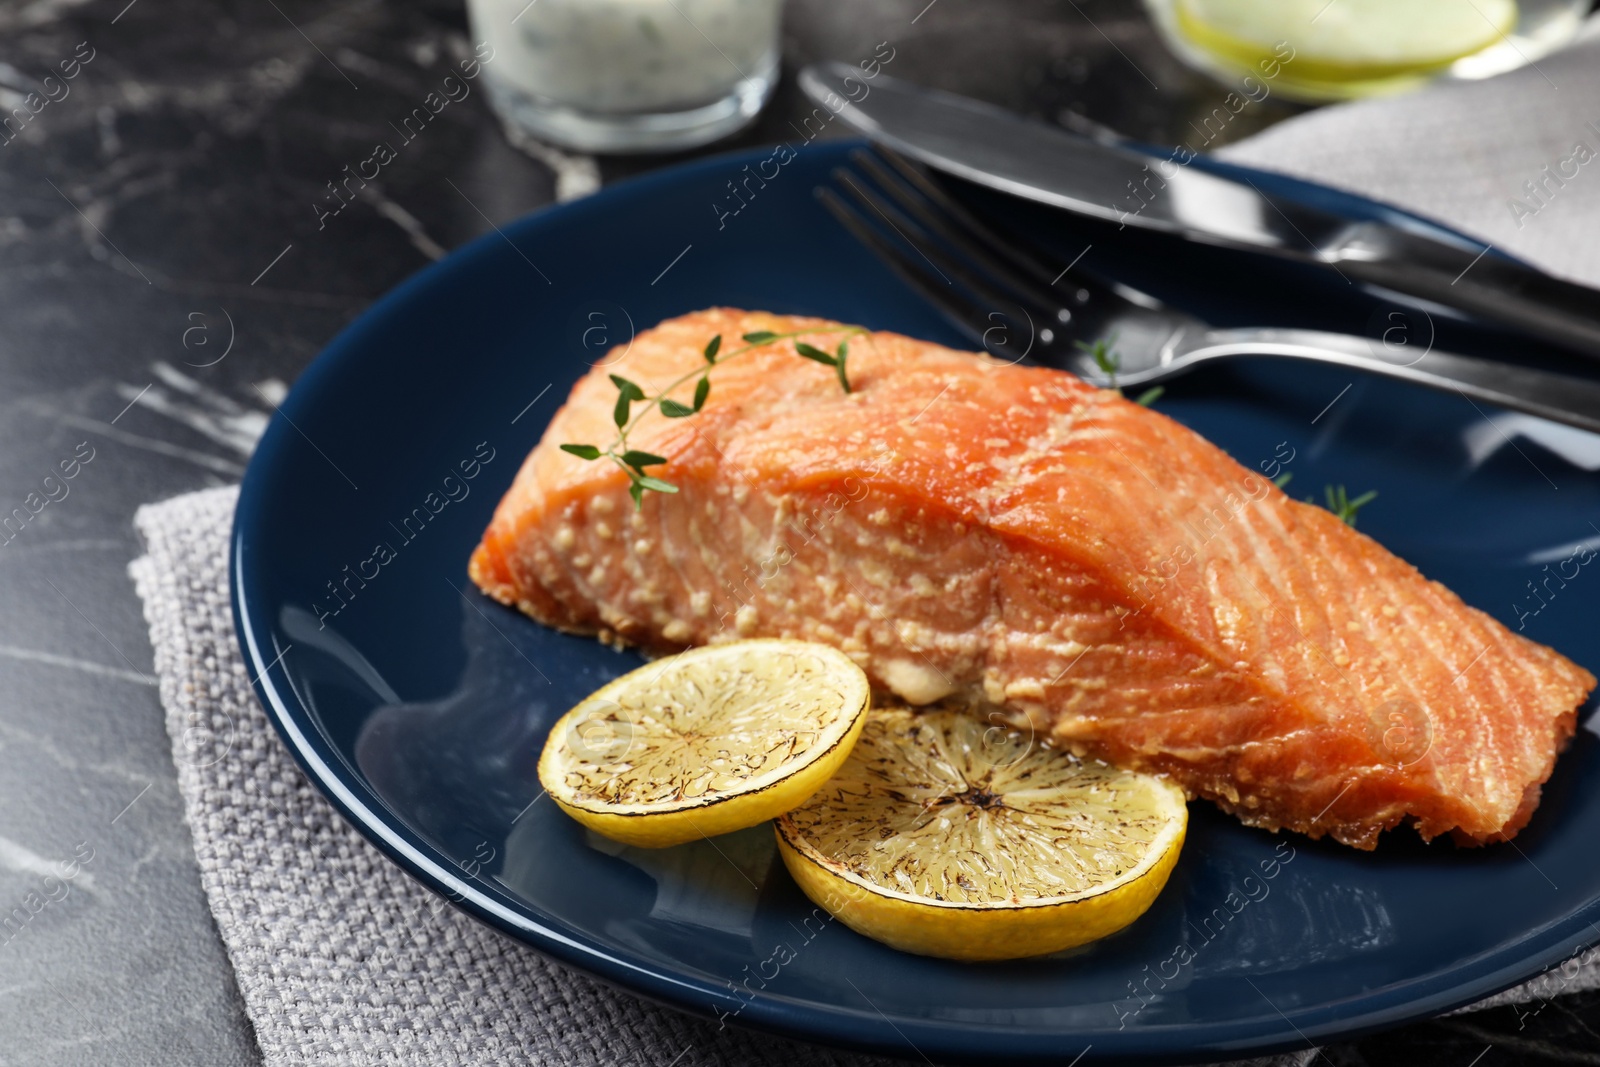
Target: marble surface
164	274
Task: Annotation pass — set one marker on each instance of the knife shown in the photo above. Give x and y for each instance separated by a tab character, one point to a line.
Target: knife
1121	183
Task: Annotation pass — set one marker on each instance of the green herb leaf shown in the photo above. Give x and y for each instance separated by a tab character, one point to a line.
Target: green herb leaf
1150	396
813	352
633	461
1340	504
1353	506
1108	361
1282	480
627	388
637	459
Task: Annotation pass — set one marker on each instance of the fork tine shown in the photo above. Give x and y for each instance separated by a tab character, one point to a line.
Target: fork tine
946	265
974	256
954	303
936	211
1086	286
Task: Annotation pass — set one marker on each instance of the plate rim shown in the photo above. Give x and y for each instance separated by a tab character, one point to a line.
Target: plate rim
1363	1013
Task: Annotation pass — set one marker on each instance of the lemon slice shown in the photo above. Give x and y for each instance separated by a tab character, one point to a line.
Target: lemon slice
710	741
946	837
1346	40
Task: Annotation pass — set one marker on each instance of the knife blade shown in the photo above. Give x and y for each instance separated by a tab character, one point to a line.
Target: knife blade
1124	184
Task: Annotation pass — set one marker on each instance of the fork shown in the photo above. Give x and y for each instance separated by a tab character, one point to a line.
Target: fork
1112	334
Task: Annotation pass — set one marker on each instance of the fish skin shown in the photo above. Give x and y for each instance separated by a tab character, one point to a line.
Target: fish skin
1080	565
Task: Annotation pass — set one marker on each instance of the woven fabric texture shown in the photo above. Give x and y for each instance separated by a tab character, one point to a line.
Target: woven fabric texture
1512	160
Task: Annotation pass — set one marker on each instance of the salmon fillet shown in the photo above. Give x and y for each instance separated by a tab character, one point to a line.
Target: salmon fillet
1020	539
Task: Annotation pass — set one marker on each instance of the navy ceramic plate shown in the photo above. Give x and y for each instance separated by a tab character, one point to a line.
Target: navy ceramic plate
420	707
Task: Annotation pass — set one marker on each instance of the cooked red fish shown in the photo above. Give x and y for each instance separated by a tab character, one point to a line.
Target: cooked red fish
1015	536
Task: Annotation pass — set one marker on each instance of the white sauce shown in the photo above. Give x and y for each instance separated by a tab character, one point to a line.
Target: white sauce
627	56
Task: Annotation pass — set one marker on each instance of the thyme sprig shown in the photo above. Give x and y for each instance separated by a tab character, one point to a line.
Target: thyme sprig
1340	503
1109	361
1337	500
1105	357
634	461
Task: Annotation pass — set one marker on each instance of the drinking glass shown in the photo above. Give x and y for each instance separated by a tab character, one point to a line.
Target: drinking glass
1326	50
628	75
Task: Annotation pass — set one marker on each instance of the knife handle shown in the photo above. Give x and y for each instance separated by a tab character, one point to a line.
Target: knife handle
1479	283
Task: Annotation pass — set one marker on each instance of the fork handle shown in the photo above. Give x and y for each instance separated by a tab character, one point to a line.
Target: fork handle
1558	397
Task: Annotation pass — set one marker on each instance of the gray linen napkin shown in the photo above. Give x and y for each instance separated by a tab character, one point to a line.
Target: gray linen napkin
1498	159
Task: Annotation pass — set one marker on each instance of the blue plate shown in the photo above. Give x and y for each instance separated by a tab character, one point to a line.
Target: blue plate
420	707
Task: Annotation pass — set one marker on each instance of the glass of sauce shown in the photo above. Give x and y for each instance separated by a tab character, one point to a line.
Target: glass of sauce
628	75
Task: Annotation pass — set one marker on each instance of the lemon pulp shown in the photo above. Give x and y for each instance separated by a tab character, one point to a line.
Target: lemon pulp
1346	40
945	836
709	741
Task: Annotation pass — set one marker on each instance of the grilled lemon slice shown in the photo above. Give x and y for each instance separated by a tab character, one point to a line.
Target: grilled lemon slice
709	741
946	837
1347	40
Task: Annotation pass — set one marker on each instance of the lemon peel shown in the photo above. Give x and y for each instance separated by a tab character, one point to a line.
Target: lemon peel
710	741
946	837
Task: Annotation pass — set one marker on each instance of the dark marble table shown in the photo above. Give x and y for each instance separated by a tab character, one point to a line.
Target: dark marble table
162	210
